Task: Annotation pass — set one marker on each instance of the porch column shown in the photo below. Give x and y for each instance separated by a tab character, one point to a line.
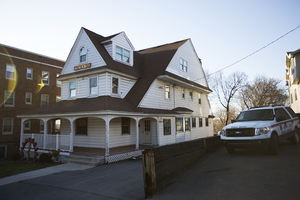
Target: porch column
137	134
22	132
157	129
71	134
45	133
107	136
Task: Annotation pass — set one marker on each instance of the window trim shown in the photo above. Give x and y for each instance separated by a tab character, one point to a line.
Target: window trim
29	103
191	95
5	99
187	121
92	77
14	72
200	122
183	93
199	98
11	126
77	124
206	122
183	67
122	125
167	92
30	78
48	82
47	99
193	122
181	122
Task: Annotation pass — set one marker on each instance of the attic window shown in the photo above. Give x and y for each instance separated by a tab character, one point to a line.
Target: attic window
183	65
83	52
122	54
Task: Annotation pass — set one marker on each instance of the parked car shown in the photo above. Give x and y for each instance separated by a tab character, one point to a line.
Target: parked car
262	127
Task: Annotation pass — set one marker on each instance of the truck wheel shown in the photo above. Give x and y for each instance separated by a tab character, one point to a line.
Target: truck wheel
296	138
273	148
230	150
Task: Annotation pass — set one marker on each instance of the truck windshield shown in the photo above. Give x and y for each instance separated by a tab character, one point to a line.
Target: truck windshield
256	115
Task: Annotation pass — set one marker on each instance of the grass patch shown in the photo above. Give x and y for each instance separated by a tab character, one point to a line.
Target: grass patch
10	167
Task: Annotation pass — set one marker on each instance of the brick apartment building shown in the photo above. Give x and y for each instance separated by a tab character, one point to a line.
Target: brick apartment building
27	81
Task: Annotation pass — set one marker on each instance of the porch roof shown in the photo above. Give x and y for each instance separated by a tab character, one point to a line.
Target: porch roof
87	105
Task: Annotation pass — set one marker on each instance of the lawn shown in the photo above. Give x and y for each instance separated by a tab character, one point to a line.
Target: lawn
10	167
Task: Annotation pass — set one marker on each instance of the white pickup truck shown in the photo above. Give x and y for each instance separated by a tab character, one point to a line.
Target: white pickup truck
262	127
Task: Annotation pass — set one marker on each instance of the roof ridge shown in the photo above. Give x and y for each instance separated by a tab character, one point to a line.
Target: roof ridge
163	45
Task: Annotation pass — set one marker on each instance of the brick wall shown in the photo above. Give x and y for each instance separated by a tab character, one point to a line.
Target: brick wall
23	60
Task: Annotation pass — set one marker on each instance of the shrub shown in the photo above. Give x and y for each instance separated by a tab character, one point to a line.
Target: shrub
45	157
16	156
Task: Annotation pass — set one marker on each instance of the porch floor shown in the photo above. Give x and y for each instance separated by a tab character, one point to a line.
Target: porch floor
99	152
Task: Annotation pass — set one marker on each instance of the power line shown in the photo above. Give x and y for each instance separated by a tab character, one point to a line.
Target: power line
250	54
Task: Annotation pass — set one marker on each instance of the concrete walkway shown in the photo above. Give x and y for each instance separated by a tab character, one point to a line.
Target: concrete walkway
42	172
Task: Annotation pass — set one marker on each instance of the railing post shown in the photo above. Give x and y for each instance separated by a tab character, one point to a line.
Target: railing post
32	135
57	142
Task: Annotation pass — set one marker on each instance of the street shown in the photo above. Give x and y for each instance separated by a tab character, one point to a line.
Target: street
247	174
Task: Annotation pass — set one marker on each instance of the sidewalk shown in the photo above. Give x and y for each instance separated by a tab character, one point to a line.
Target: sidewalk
42	172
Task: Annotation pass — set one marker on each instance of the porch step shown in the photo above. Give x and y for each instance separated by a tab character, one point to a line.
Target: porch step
85	160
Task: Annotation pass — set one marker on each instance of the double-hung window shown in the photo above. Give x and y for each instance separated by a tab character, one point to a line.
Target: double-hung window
206	122
191	95
93	86
200	122
183	65
27	125
179	124
187	124
183	93
72	89
45	77
44	99
122	54
199	98
81	126
83	52
7	126
29	73
115	85
9	99
125	125
10	72
167	126
193	122
28	98
167	91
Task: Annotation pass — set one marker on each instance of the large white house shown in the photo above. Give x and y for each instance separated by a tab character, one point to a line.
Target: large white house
112	96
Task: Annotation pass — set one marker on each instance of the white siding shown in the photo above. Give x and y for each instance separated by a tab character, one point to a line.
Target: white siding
167	139
93	55
108	48
102	84
64	90
82	87
121	40
125	86
194	69
65	128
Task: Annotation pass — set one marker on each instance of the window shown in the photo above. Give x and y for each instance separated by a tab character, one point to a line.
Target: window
115	85
167	126
187	124
8	126
42	126
81	126
58	83
45	77
183	65
295	94
83	52
193	122
9	99
122	54
191	95
206	121
200	122
27	125
167	91
183	93
179	124
125	125
72	89
29	73
93	86
58	99
10	72
28	98
44	99
281	114
199	98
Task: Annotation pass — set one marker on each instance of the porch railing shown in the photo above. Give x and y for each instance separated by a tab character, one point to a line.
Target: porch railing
53	142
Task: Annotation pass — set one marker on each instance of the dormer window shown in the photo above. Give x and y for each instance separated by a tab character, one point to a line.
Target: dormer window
83	52
122	54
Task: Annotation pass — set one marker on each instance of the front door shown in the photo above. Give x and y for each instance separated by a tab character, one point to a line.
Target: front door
147	132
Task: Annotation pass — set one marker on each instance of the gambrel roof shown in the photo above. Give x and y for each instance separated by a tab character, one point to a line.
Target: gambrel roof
149	64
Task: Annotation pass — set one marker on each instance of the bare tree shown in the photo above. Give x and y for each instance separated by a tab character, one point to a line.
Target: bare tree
221	117
263	92
225	88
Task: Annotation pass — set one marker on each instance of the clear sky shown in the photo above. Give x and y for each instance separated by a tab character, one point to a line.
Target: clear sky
222	31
